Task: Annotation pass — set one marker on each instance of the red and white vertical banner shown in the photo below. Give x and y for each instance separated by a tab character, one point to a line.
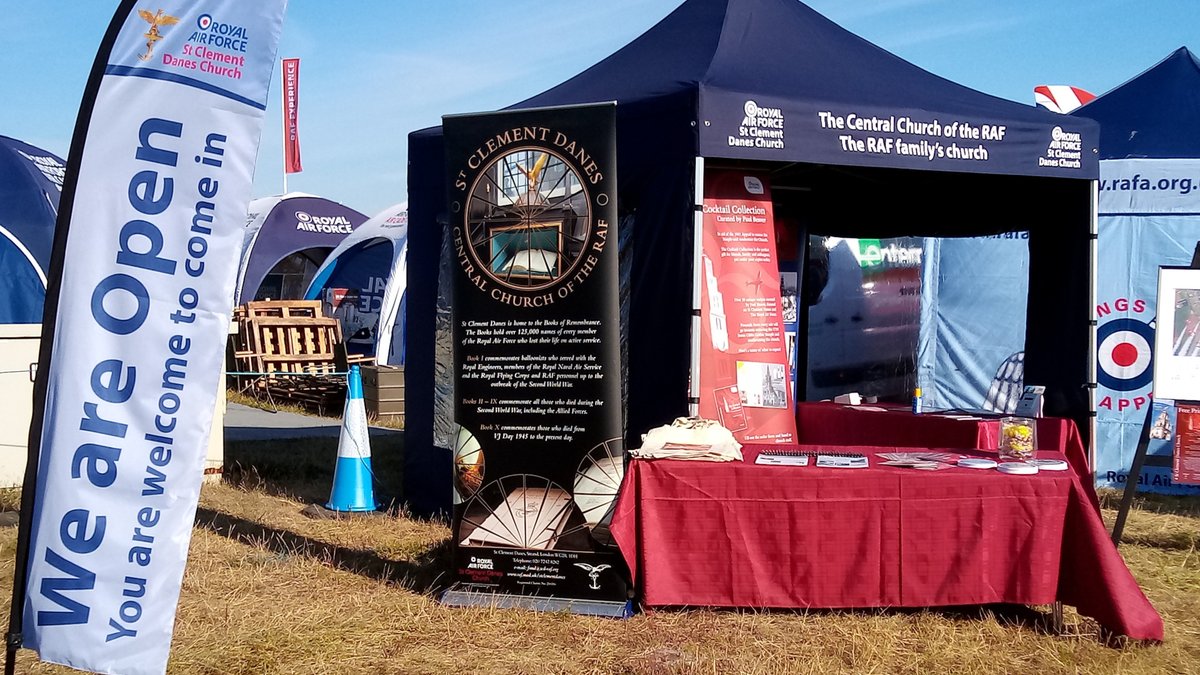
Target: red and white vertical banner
291	115
1186	461
137	313
743	357
1061	98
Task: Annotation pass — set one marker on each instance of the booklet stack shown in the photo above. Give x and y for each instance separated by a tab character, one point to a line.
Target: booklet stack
782	458
842	460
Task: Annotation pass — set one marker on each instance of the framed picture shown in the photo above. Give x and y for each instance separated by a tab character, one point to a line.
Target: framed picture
1177	335
527	251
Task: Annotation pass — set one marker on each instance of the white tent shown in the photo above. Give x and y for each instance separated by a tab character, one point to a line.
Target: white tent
363	282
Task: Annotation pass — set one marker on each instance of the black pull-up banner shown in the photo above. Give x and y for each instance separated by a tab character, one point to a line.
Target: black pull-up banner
538	453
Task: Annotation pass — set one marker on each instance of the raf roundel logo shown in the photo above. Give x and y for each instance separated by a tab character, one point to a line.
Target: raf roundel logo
303	217
1124	354
204	21
751	109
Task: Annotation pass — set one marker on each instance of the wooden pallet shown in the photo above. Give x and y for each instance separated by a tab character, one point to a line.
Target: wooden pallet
295	345
324	393
291	338
281	308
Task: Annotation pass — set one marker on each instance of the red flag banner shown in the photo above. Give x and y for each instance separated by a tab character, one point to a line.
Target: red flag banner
743	358
1061	98
291	109
1187	444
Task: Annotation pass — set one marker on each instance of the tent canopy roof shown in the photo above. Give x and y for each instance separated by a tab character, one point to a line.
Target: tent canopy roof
390	225
770	47
30	187
711	63
781	54
1154	115
281	225
361	262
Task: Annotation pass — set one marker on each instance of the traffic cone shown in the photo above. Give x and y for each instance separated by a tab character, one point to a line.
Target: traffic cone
352	488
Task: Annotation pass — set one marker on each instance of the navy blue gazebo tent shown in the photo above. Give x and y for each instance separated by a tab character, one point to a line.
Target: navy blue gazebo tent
1149	216
685	87
287	237
1154	115
30	186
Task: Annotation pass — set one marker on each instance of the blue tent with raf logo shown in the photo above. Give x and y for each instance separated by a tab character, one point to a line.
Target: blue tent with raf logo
287	238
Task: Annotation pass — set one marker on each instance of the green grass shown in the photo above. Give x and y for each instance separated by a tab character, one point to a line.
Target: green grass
268	590
302	468
246	399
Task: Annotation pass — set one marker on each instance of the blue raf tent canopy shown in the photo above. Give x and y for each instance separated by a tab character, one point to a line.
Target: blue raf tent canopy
1154	115
30	187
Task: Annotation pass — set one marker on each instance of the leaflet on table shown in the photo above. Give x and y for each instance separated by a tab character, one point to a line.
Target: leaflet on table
918	456
782	458
744	380
839	460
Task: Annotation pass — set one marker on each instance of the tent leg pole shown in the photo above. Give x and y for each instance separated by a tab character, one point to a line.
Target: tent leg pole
1093	283
697	251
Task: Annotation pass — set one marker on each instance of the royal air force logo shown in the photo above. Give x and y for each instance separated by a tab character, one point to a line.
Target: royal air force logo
1124	354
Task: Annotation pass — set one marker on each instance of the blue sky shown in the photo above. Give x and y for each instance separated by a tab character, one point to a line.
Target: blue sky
373	70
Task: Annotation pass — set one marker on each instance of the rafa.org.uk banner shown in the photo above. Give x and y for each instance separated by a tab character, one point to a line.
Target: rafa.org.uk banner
1146	220
743	357
538	456
157	187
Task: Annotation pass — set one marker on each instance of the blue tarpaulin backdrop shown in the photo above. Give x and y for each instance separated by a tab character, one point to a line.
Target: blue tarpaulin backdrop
973	296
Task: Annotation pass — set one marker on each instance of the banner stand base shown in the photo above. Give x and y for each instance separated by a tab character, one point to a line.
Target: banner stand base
605	608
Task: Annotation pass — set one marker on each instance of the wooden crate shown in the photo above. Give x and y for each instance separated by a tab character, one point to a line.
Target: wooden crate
383	390
289	336
325	393
296	345
310	309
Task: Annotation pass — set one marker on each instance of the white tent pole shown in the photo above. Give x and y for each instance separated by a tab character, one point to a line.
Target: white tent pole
697	252
1093	282
283	132
284	158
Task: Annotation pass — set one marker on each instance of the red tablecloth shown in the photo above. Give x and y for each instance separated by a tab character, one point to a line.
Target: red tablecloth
836	424
738	534
823	423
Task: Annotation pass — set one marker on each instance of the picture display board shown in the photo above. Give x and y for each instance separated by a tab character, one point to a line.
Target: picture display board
744	379
539	454
1177	335
1186	465
1177	364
